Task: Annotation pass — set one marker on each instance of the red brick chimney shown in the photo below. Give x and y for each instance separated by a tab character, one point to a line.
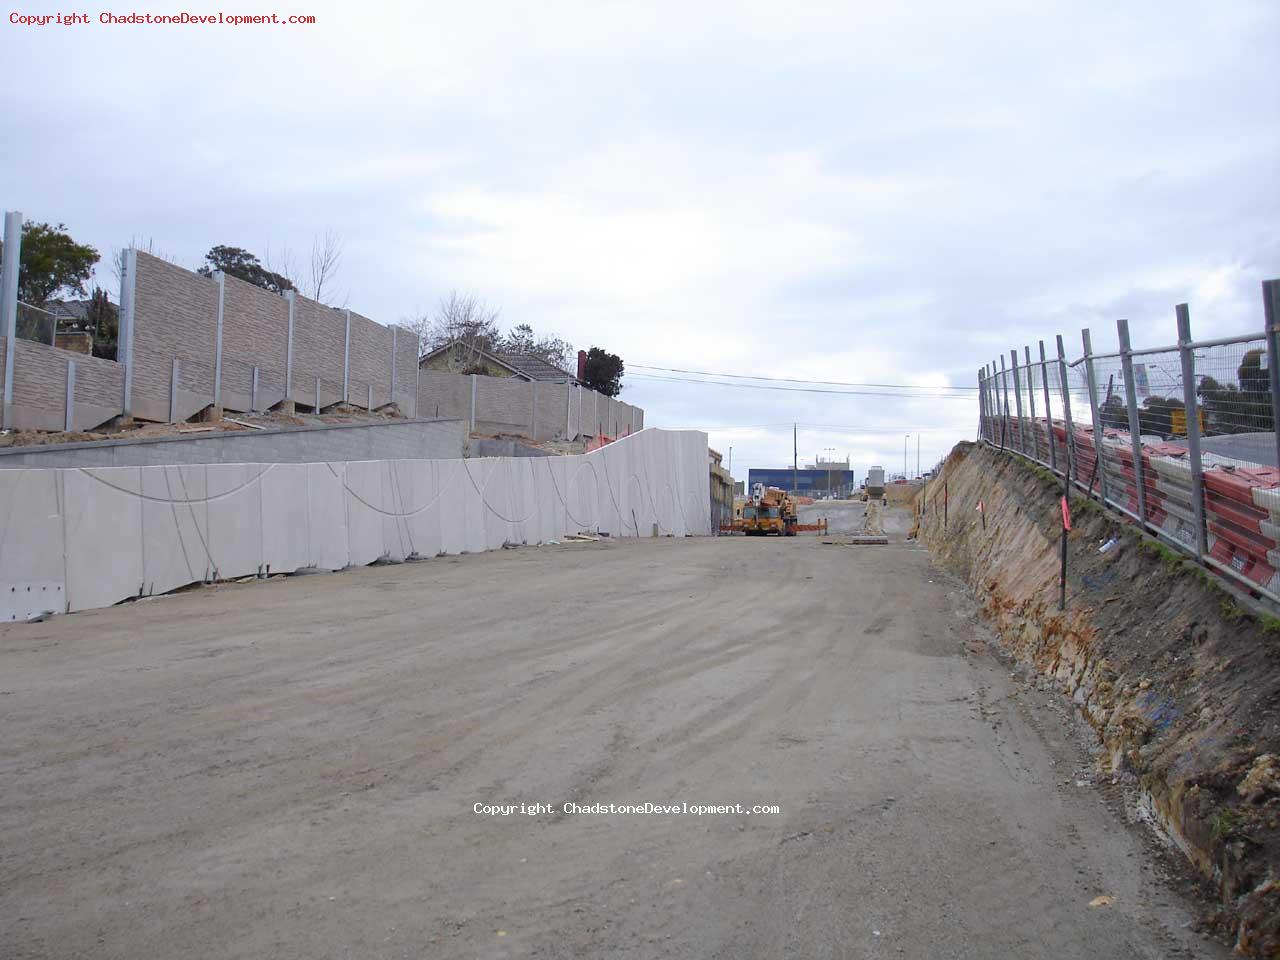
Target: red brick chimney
582	364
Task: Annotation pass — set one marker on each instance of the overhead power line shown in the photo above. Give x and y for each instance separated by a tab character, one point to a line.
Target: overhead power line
824	383
899	394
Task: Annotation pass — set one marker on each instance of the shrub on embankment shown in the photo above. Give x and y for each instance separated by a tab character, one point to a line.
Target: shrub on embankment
1180	681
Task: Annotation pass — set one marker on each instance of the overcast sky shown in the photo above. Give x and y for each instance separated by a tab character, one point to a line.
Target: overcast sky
892	193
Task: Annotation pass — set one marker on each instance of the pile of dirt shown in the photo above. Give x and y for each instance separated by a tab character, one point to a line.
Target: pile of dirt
139	430
1180	679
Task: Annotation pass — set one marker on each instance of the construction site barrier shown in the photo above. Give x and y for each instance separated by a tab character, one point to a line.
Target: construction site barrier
78	538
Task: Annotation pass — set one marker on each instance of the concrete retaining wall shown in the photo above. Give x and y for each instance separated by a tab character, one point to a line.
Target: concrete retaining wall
393	440
80	538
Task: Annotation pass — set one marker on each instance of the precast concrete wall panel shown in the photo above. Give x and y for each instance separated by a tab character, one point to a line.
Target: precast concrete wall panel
370	362
444	395
286	533
549	410
319	333
175	315
327	516
102	534
503	406
255	333
90	537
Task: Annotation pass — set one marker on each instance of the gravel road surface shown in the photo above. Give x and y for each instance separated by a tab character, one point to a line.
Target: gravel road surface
291	769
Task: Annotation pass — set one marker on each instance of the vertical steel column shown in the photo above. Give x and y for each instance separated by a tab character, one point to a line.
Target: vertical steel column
173	390
369	404
1098	470
1070	468
1189	406
1017	399
69	409
394	331
1135	425
317	406
1048	412
124	336
1006	439
291	297
253	392
1271	311
221	280
9	306
1031	400
346	361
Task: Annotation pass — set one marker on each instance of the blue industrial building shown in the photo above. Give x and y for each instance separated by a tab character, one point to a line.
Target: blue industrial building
808	481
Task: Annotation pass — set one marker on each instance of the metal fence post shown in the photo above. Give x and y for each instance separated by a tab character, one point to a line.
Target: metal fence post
1091	378
1189	406
1048	412
69	417
1017	399
1071	468
1005	438
982	403
1271	310
1031	402
1135	425
9	306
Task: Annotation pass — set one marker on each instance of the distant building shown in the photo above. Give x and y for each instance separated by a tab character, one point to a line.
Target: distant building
721	491
809	480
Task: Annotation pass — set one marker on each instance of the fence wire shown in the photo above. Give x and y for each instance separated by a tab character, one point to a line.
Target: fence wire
1203	472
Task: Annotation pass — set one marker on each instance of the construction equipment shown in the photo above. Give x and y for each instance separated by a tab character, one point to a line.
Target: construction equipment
874	489
769	512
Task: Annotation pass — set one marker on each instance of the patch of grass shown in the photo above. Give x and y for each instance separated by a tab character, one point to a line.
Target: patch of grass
1224	823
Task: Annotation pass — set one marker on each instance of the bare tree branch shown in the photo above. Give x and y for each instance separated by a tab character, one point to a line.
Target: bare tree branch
326	258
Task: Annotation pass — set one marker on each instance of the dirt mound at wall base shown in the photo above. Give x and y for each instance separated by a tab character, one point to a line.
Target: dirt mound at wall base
1180	682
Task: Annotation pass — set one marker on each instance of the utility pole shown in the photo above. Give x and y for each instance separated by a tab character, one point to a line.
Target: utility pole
795	459
917	456
905	438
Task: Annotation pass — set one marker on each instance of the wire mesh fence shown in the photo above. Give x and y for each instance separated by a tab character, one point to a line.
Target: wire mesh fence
1181	439
35	323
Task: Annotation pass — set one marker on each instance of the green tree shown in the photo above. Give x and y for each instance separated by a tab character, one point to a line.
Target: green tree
51	262
552	349
104	321
603	372
243	265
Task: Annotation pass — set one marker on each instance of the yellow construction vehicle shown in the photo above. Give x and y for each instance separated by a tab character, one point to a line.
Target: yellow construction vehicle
769	512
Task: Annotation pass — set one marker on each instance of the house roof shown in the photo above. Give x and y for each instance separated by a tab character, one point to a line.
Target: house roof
520	364
535	368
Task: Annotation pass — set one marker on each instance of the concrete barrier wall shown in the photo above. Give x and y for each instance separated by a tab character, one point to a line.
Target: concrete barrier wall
176	315
40	387
219	330
80	538
392	440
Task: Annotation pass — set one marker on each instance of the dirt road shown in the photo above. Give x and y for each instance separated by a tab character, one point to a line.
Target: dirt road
292	768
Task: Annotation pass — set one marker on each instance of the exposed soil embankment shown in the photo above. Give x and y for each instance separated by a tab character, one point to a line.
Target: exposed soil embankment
1181	683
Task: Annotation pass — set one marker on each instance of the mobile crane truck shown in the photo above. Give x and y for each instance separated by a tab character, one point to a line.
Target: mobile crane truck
769	512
